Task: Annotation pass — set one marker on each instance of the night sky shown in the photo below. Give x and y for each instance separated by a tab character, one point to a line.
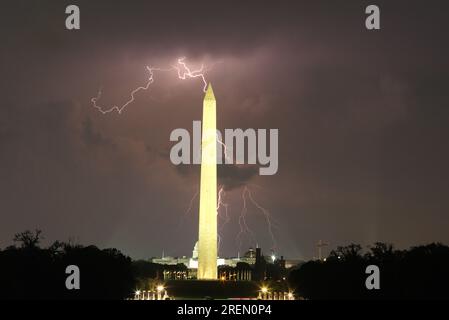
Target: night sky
362	118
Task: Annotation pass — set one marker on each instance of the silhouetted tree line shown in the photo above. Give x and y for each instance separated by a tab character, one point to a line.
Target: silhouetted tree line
28	271
421	272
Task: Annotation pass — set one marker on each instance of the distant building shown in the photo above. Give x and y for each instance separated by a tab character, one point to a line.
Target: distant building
260	265
253	265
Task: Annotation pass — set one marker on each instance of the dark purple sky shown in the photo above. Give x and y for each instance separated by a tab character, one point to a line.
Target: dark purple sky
362	118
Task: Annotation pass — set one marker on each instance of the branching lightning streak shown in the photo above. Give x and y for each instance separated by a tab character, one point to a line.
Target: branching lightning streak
247	194
191	203
242	218
225	150
267	216
189	73
243	224
183	72
221	203
189	207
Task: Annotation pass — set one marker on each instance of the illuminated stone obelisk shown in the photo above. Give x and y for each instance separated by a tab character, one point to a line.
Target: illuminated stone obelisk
207	240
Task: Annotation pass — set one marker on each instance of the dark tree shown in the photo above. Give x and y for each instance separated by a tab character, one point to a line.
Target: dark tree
32	272
418	273
28	239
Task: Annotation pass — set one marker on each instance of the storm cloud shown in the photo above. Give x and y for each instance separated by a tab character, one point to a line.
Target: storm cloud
362	118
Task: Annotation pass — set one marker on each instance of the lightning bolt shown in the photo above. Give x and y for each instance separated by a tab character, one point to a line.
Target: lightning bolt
183	72
226	218
187	73
189	208
220	204
225	150
269	220
247	194
244	228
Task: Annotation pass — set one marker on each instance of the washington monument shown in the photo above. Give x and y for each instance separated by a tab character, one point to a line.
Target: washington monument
207	239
